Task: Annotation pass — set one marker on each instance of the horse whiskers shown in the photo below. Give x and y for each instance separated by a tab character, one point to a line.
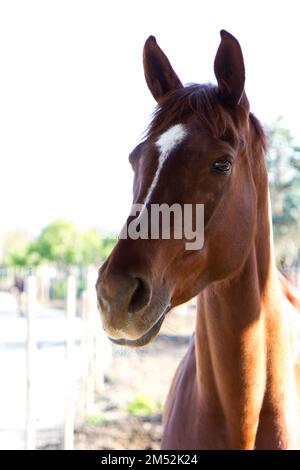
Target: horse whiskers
171	328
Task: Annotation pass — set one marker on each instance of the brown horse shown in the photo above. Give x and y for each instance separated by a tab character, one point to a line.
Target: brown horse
238	386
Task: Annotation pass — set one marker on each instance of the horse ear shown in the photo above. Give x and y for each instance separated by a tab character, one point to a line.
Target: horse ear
229	69
159	74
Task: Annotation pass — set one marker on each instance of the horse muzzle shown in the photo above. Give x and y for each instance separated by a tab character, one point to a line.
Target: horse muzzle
131	313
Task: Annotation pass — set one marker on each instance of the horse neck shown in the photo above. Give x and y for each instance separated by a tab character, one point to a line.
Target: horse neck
238	324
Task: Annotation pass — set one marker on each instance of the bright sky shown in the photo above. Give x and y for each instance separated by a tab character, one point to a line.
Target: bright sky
73	100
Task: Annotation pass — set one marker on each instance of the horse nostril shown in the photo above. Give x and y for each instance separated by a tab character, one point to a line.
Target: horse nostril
140	296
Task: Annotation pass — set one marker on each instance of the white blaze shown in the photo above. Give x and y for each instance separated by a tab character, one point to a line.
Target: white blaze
166	143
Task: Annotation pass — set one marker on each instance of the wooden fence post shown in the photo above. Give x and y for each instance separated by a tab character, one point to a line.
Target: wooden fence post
70	397
83	360
95	349
31	369
91	376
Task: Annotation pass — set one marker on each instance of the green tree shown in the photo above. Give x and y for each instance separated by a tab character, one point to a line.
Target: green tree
95	247
284	177
108	243
91	245
17	250
59	242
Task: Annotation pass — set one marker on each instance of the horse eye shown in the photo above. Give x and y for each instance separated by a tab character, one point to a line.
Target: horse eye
221	166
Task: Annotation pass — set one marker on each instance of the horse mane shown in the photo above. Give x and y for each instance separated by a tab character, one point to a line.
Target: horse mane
204	102
289	291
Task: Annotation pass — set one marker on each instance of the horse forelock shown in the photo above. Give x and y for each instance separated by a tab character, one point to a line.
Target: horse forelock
203	102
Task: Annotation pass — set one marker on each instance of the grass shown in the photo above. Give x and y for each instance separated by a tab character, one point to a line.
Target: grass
143	405
96	420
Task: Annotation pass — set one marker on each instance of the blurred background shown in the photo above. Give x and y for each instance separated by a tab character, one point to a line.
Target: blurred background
73	104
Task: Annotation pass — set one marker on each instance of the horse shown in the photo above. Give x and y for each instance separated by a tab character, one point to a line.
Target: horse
238	386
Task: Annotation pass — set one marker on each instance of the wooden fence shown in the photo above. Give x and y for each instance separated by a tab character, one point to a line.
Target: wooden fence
95	354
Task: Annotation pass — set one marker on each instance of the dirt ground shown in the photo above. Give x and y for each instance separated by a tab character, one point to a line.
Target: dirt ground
145	372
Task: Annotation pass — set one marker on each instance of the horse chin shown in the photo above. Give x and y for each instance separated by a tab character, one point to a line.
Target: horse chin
143	340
